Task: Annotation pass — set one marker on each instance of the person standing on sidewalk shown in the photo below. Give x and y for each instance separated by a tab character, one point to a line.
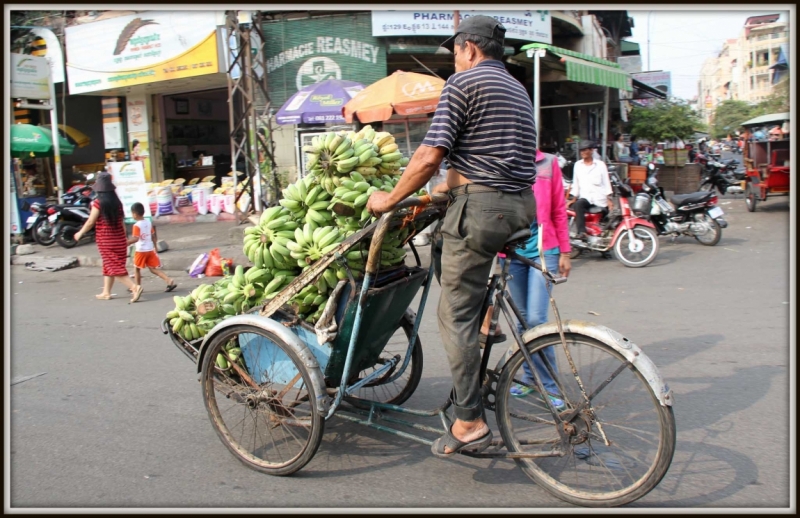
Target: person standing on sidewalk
484	126
111	240
145	256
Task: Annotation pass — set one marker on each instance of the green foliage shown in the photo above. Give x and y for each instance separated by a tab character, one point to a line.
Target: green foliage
729	116
664	120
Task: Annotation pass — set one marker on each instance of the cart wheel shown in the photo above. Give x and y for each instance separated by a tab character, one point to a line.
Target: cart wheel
398	391
262	405
750	198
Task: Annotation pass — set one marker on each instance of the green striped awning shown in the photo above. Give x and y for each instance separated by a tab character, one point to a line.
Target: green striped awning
583	68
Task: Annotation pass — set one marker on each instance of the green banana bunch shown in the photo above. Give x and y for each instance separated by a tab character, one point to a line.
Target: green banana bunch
305	195
310	244
262	243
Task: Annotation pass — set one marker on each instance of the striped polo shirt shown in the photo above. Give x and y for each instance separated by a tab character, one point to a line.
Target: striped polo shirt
485	122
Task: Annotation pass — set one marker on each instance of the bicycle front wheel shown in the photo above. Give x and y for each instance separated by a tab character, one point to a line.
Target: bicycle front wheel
617	450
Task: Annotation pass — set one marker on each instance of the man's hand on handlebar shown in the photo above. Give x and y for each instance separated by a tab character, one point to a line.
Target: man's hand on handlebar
379	202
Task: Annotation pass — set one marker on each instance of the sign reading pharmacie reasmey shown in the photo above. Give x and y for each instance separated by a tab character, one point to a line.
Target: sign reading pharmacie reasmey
30	77
141	48
520	25
303	52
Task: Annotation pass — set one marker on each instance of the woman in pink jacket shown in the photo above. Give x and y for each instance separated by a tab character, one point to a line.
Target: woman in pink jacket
527	285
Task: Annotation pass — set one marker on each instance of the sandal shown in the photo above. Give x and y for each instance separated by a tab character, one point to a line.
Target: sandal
103	297
137	294
448	440
171	287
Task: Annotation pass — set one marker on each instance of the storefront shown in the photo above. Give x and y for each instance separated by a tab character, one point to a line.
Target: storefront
164	92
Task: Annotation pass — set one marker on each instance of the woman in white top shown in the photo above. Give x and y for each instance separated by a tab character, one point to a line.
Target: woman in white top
591	186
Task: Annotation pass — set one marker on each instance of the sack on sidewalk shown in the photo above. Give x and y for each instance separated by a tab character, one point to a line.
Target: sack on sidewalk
214	266
215	203
198	267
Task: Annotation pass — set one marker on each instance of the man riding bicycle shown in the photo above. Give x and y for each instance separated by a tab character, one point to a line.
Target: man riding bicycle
484	127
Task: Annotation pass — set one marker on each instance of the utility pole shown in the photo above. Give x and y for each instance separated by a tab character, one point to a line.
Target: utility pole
648	40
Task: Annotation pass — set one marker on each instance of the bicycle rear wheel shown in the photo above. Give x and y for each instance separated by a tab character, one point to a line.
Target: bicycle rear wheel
640	432
262	405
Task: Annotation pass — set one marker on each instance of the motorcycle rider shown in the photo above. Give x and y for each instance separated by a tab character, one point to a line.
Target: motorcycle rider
591	186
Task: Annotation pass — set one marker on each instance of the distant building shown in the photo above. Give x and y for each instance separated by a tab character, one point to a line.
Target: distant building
743	68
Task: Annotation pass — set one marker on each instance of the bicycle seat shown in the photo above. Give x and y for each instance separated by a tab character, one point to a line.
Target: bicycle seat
518	239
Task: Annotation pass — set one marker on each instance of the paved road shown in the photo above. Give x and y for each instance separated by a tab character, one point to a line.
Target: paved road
118	421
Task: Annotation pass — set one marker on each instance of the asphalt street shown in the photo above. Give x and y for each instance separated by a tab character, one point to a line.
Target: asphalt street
116	418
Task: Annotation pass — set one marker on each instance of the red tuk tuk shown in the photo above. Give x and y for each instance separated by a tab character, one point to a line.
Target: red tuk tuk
766	158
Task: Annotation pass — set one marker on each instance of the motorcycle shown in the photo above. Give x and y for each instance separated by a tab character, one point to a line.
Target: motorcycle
71	219
695	214
724	176
42	222
633	239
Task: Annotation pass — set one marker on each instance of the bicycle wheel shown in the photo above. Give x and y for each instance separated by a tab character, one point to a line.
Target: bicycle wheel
398	391
640	432
263	408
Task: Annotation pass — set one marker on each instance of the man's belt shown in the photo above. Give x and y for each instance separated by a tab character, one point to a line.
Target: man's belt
472	188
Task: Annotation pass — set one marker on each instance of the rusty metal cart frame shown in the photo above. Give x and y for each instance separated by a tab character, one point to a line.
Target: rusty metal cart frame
576	449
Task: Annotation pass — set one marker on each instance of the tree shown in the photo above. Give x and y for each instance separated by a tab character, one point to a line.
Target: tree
729	116
664	120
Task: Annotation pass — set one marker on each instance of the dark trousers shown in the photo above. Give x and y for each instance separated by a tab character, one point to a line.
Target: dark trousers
474	230
582	205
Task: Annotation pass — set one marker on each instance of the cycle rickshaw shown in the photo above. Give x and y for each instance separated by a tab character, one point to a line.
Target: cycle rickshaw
611	445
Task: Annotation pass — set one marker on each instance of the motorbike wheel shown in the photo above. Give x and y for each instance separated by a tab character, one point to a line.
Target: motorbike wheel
750	198
573	230
66	237
637	258
43	233
714	233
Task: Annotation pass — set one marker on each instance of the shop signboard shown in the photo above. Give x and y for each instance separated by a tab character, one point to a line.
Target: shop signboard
532	26
303	52
30	77
138	125
130	182
52	53
141	48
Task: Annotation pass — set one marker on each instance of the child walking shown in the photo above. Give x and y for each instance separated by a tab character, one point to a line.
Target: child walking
144	236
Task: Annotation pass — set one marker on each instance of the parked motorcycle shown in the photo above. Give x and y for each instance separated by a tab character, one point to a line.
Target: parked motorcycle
695	214
725	177
42	222
71	219
633	239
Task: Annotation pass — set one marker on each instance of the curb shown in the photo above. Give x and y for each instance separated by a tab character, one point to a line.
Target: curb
194	218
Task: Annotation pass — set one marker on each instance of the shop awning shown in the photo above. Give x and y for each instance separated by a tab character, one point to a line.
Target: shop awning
583	68
763	120
645	91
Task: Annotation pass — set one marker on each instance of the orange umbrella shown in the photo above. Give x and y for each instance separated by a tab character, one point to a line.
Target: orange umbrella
404	93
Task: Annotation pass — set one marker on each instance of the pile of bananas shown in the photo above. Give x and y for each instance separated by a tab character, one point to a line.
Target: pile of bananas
344	168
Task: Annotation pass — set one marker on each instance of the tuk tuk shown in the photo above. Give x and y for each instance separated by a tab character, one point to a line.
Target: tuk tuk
766	158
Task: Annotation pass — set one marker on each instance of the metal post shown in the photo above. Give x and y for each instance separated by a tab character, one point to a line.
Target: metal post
605	125
255	179
56	149
536	93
